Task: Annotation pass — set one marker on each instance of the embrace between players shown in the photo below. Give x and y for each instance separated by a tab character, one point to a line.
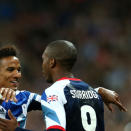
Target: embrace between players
68	104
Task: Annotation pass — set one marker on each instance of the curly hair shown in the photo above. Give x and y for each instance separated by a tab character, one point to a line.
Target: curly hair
9	50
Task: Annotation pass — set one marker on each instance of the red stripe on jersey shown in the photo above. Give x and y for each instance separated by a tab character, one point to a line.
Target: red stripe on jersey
56	127
66	78
18	123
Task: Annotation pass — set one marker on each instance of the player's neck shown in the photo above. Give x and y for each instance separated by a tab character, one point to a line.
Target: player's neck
62	74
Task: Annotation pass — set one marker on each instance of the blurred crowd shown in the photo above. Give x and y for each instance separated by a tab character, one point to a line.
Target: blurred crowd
101	30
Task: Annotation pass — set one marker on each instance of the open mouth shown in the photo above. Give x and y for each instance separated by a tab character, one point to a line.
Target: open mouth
14	83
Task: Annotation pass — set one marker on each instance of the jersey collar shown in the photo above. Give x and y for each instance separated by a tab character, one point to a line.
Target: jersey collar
66	78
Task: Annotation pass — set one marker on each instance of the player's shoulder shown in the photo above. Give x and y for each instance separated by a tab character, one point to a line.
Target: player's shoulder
58	85
25	93
21	92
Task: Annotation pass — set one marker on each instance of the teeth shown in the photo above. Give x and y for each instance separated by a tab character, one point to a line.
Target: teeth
14	81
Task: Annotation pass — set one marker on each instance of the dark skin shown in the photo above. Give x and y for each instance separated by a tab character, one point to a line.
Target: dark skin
52	71
113	98
56	71
8	125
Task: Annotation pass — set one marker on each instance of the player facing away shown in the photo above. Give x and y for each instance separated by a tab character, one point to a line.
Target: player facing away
68	96
78	106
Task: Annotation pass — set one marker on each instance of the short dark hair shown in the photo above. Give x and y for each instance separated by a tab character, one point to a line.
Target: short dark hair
9	50
63	51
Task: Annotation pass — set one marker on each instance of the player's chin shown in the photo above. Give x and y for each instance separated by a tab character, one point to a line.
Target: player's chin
49	80
13	87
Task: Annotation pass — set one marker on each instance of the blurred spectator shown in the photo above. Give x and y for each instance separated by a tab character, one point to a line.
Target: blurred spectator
100	29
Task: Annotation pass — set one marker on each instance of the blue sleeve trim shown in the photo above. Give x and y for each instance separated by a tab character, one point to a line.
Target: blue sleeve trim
44	97
50	113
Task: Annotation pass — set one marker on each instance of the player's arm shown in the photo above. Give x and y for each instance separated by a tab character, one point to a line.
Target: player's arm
12	125
110	97
53	111
35	102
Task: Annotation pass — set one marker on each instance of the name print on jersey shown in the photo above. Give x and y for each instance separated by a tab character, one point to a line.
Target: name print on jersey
81	94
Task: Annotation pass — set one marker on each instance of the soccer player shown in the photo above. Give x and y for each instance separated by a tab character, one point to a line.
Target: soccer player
10	74
57	66
78	106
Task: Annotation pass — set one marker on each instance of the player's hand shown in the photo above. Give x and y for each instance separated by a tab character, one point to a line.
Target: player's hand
111	97
7	94
8	125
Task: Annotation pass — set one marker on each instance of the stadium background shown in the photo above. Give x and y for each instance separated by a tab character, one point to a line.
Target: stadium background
101	29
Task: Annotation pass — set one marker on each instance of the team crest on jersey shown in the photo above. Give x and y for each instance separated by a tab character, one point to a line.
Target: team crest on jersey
52	98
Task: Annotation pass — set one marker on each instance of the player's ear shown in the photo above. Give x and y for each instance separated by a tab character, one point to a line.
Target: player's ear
52	63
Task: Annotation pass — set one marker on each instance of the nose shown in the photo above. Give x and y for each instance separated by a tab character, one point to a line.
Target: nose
17	74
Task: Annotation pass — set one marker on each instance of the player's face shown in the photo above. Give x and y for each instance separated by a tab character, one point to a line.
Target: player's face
10	72
46	67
